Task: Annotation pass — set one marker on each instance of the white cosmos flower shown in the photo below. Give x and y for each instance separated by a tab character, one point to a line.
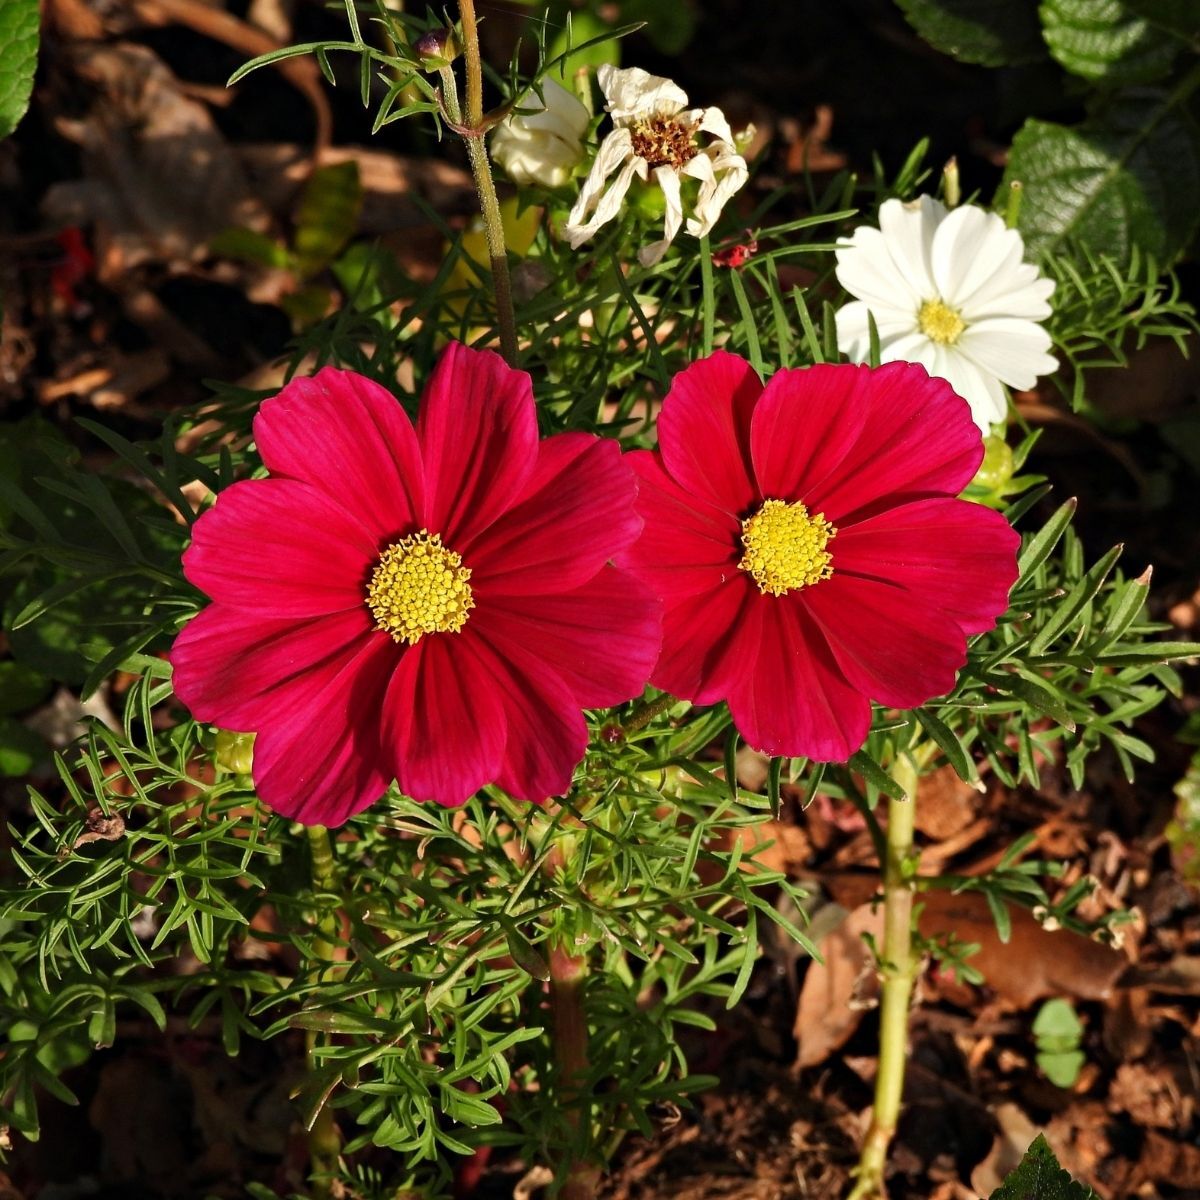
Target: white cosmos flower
655	133
948	289
543	146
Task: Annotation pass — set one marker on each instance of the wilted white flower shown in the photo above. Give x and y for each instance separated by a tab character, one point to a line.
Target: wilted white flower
948	289
543	146
655	133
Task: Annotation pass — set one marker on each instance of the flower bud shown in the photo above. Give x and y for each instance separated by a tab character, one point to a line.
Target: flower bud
542	146
235	751
997	466
436	49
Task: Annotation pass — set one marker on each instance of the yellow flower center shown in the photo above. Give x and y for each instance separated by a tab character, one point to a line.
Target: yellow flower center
419	587
785	547
940	323
664	142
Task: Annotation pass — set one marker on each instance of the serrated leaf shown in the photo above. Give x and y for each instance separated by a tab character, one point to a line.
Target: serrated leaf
979	31
19	39
1039	1177
1124	178
1106	42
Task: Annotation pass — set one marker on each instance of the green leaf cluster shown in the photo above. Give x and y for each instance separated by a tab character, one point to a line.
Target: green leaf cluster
1125	179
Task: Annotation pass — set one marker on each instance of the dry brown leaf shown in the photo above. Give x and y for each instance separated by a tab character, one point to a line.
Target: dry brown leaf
1035	963
838	989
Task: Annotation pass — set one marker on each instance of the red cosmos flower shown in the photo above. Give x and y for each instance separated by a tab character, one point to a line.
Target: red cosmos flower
809	549
431	604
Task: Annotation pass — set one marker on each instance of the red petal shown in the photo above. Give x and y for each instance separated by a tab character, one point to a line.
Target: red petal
575	512
444	720
841	438
601	639
547	735
793	699
890	644
704	430
478	435
709	640
686	545
280	548
320	761
239	669
959	557
348	437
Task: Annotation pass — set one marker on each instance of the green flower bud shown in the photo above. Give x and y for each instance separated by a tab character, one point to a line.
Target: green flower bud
997	466
235	751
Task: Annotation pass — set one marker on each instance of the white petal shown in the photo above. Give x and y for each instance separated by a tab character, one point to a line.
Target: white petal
668	180
908	231
1022	292
712	120
1012	350
729	174
854	333
631	93
866	269
981	390
577	230
615	150
970	247
563	114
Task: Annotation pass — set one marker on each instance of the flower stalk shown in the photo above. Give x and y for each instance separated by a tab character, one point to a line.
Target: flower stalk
898	970
324	1141
567	975
470	127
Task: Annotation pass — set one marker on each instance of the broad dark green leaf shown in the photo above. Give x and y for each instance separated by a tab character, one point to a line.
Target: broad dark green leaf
1039	1177
21	687
1178	16
979	31
18	59
1124	178
1106	42
20	748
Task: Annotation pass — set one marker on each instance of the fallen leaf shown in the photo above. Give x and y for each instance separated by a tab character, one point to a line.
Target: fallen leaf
838	989
1034	963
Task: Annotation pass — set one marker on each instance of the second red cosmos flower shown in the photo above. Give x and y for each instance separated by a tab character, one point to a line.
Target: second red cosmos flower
811	554
431	604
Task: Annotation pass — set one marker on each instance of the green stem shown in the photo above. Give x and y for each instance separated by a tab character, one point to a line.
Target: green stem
898	970
567	975
471	129
324	1140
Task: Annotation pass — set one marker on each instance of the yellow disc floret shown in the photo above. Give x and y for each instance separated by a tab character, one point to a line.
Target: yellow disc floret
419	587
785	547
940	323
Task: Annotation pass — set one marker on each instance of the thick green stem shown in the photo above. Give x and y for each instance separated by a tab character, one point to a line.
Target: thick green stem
470	126
567	974
898	971
324	1141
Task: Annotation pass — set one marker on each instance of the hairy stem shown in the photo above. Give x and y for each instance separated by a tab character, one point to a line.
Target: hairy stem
567	975
898	971
324	1141
470	126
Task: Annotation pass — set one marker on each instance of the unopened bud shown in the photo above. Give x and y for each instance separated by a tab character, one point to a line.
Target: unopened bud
997	466
235	751
436	49
951	187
